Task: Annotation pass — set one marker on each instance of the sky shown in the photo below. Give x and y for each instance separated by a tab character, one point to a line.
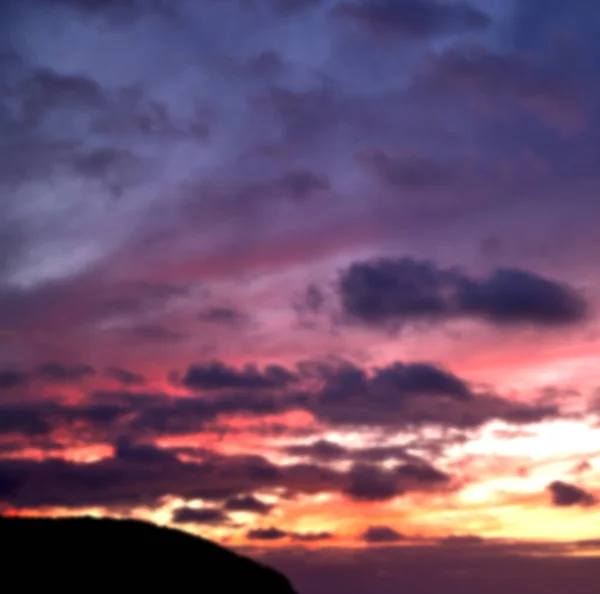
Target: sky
304	275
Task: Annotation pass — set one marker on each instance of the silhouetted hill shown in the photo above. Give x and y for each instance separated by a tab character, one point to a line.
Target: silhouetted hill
124	555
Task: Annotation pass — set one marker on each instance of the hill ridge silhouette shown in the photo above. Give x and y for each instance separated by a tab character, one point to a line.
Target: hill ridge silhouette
75	553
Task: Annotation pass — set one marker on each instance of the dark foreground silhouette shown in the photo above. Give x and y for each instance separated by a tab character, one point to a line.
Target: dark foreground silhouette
81	554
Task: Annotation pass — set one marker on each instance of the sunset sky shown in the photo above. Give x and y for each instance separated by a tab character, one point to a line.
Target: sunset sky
309	273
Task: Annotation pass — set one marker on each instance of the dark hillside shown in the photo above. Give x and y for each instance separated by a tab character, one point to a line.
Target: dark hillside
82	554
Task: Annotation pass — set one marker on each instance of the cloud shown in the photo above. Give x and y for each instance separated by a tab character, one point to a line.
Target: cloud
296	185
412	18
57	372
130	452
321	450
136	475
124	376
155	333
567	495
544	86
381	534
301	184
147	415
23	420
217	376
97	5
371	483
293	6
274	533
189	415
47	89
405	170
249	504
227	316
400	395
419	378
406	394
114	167
512	296
190	515
266	534
142	474
326	451
311	536
10	379
134	299
384	291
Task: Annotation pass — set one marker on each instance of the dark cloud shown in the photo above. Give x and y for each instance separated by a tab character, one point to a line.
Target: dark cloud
311	536
218	376
381	534
321	450
300	184
121	13
293	6
23	420
142	474
327	451
10	378
379	290
534	22
548	89
222	315
384	291
412	18
266	534
371	483
189	415
420	473
136	475
399	393
85	301
115	168
155	333
314	299
407	171
135	114
308	304
190	515
57	372
566	495
130	452
124	376
307	116
46	89
148	415
514	296
248	503
419	378
91	143
134	300
296	185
